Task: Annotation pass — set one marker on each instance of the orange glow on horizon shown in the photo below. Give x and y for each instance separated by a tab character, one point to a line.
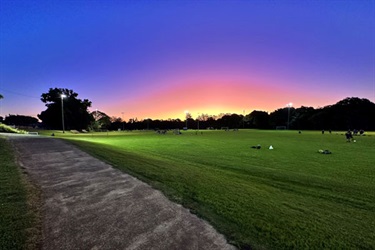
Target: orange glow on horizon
209	97
214	97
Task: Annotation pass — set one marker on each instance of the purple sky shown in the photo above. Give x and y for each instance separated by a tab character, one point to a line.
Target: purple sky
159	58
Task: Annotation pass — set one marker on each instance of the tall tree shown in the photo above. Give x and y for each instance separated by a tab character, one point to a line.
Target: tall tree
230	121
349	113
258	119
75	111
1	118
282	117
303	118
101	120
21	120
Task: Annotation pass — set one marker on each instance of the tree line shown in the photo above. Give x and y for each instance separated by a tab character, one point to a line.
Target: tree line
349	113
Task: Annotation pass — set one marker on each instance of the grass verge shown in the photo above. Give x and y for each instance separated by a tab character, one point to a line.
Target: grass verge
7	129
19	204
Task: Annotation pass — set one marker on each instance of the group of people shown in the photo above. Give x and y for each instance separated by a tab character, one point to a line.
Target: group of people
330	131
361	132
349	134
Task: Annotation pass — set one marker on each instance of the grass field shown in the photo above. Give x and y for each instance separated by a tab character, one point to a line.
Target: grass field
18	220
288	197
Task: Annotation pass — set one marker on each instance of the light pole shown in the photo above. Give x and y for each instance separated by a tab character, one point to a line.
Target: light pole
122	113
198	121
243	119
186	117
148	123
289	105
62	111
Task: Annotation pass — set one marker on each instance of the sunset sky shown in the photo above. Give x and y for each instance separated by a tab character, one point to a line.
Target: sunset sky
157	59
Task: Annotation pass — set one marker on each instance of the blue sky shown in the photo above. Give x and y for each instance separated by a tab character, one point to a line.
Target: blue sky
159	58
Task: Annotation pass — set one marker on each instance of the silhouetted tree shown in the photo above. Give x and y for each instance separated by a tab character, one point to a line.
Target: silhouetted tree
279	117
76	115
302	118
101	120
21	120
1	118
230	121
117	123
258	119
146	123
349	113
191	123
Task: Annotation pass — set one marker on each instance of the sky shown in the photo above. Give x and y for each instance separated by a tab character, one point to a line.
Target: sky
157	59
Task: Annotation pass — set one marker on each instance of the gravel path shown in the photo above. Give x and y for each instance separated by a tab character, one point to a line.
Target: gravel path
87	204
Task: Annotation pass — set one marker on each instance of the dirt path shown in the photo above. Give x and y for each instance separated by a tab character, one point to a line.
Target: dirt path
87	204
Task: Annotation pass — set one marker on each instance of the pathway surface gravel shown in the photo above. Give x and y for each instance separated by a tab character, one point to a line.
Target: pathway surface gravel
88	204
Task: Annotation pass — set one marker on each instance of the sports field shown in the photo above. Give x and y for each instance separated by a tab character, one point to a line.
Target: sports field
288	197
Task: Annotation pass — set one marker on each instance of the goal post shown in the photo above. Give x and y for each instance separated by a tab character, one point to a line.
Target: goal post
280	127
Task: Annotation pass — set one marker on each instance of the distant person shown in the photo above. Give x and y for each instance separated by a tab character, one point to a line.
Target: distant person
349	136
330	131
323	132
361	132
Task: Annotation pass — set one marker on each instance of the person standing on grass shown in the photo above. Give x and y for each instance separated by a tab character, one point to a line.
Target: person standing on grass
349	136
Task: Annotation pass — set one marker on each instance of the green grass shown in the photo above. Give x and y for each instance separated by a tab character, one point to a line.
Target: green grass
288	197
18	229
7	129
